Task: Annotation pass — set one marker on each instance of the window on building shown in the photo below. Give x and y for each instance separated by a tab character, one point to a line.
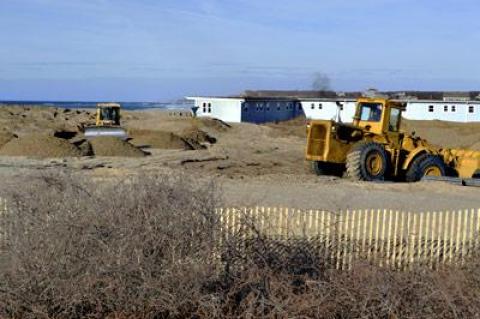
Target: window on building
204	107
454	108
431	108
471	109
320	106
445	108
209	107
313	106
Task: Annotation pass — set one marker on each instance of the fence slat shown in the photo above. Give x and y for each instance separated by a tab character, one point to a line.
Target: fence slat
338	247
352	239
471	237
464	237
445	246
395	241
477	230
458	234
434	247
441	222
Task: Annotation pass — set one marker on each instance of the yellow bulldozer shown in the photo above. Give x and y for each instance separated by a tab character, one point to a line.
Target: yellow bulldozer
373	148
107	122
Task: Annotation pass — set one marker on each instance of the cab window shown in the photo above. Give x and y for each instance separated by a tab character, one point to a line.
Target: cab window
110	114
394	122
371	112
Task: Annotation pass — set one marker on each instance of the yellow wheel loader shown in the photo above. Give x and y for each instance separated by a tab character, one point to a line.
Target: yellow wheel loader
373	148
107	122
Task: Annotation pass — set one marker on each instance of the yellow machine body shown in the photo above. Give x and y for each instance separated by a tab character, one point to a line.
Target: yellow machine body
377	122
107	122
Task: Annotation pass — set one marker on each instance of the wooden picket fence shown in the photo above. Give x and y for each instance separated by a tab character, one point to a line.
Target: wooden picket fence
4	227
394	239
387	238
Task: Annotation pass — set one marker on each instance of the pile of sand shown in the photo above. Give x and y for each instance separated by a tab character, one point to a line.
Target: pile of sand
113	146
157	139
6	137
295	127
197	139
39	146
215	124
446	134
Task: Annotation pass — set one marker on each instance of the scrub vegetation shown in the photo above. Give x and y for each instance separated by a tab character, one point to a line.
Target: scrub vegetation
147	248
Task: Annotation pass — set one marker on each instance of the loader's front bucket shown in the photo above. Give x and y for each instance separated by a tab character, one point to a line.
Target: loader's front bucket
98	131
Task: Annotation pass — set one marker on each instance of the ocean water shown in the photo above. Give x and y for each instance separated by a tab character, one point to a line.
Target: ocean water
87	105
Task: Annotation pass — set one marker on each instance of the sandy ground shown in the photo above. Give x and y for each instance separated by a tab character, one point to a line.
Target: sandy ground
253	164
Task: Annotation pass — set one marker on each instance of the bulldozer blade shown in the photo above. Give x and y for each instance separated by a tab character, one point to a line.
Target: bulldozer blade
99	131
453	180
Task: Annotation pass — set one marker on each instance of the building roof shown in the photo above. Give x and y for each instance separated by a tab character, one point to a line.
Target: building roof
289	94
451	96
408	95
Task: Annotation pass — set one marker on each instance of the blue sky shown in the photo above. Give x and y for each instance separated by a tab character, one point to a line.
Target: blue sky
164	49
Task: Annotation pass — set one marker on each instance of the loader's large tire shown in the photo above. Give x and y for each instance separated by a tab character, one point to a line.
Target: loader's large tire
425	165
319	168
325	168
367	162
476	175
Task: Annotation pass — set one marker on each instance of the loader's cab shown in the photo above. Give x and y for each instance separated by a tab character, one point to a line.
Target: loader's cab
378	115
108	114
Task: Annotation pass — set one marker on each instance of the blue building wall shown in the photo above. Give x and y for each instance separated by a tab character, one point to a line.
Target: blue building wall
266	110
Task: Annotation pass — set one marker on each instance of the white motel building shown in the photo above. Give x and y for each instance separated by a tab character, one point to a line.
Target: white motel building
271	106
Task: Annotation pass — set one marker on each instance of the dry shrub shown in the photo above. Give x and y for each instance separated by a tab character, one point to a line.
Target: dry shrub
78	249
274	279
146	248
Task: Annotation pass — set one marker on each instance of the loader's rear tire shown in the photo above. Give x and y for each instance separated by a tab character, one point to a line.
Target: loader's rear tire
325	168
367	162
425	165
